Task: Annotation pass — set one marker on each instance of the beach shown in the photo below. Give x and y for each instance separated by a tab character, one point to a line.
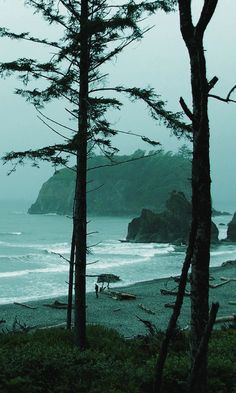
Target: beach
123	315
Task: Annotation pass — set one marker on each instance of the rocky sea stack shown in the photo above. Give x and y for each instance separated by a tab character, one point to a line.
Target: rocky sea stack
170	226
231	232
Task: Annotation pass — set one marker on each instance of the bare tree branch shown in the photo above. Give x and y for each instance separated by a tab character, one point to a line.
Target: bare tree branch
95	189
230	92
186	24
56	122
212	83
176	312
123	162
52	129
186	109
208	10
227	99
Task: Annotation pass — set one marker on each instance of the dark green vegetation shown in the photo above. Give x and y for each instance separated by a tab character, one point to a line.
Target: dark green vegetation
47	362
119	189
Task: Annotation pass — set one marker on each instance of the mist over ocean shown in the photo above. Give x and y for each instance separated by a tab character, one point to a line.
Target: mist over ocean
31	267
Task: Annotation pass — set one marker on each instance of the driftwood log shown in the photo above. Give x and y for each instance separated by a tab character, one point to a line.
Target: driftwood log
177	278
58	305
213	286
228	318
58	325
144	308
169	305
172	293
149	325
228	278
25	305
121	295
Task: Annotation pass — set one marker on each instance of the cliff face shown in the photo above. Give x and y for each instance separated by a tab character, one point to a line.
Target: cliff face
170	226
122	189
56	194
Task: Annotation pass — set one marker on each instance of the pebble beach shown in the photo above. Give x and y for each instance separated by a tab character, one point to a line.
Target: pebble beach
124	315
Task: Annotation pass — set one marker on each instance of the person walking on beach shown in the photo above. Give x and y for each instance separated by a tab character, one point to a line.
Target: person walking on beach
96	289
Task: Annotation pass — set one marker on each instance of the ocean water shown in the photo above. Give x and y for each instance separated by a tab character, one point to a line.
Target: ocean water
33	248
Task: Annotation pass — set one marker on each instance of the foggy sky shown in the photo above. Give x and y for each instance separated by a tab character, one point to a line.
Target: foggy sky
160	60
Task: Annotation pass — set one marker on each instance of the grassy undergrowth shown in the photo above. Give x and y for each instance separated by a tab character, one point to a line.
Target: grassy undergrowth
46	362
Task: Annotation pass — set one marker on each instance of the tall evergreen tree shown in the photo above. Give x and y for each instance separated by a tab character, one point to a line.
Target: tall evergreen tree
201	181
198	251
94	32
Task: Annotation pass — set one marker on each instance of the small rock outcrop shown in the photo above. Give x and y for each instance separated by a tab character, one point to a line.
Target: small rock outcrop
231	231
170	226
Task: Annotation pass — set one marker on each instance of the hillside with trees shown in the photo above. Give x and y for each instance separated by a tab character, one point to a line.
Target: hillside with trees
123	186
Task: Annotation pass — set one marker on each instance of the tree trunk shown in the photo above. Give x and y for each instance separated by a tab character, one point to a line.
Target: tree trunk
71	283
157	387
202	349
80	218
201	194
201	205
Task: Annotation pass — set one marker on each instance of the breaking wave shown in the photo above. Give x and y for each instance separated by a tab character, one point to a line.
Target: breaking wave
133	249
57	247
59	269
10	233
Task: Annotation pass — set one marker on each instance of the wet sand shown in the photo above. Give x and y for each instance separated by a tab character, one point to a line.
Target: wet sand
122	314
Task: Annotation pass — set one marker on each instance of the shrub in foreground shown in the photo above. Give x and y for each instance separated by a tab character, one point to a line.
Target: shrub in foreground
47	362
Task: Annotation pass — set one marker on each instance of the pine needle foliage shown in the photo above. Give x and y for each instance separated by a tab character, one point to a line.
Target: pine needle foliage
110	28
94	33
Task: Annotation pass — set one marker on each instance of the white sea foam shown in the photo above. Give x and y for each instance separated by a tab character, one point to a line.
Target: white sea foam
111	263
42	274
223	252
36	296
40	257
58	269
10	233
133	249
18	213
13	274
59	248
53	247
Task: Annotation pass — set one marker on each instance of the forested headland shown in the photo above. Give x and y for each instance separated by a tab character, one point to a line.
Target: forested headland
123	186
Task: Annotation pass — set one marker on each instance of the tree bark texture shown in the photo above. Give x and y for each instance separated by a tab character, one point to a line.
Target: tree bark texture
194	374
80	217
201	196
201	181
175	315
71	283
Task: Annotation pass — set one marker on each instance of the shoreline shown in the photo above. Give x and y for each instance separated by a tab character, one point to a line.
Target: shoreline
116	287
123	315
